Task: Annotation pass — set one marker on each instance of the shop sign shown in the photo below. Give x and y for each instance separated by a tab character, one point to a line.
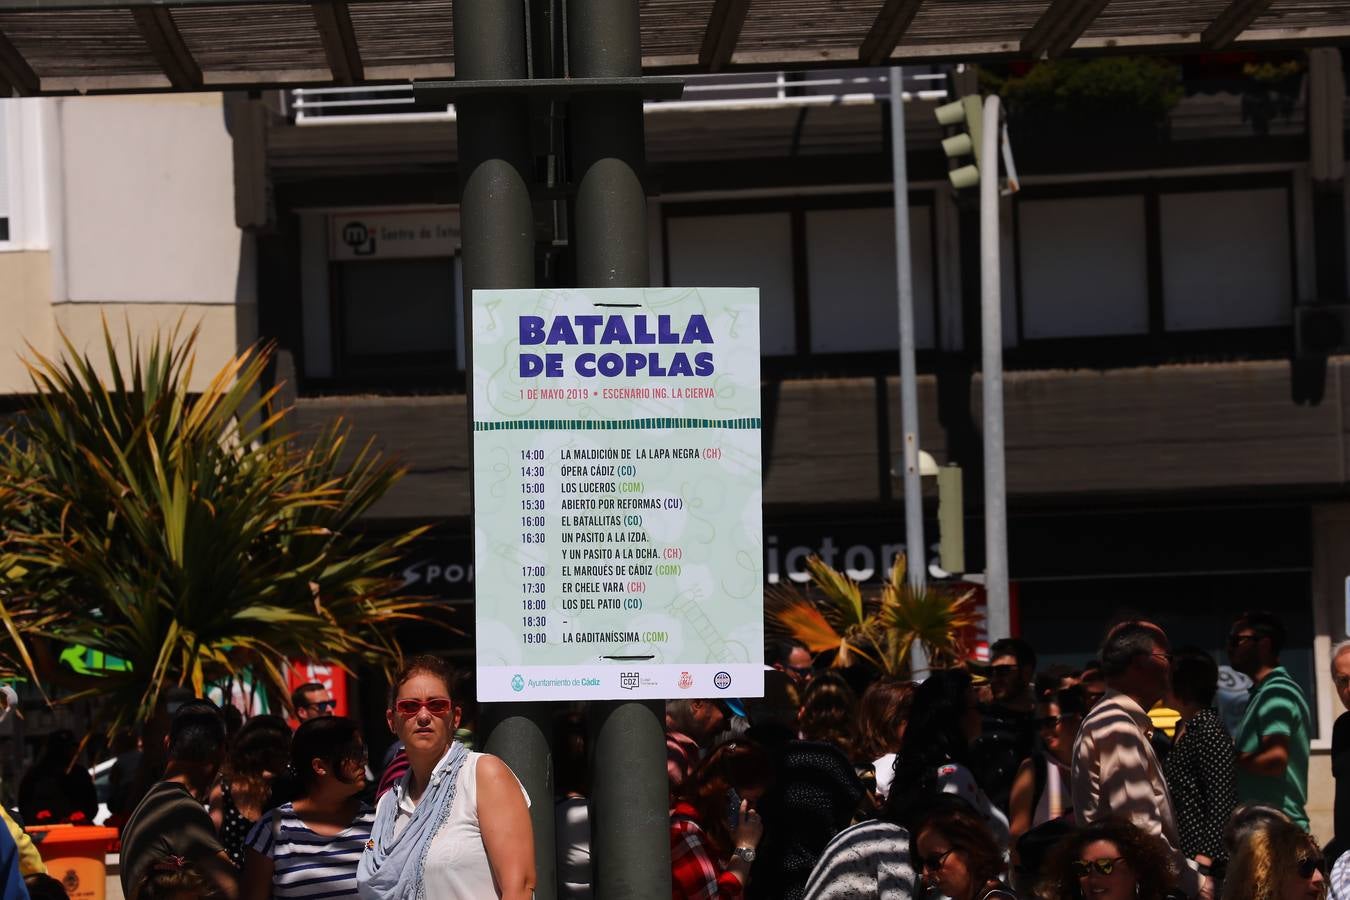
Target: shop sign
392	235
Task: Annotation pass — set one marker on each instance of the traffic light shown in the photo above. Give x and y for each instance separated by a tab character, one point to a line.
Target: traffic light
967	115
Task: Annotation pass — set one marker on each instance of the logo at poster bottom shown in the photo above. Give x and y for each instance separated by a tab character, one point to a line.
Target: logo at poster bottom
722	681
517	684
686	681
629	680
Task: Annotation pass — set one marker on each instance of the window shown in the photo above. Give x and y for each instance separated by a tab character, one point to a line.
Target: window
1155	270
851	276
825	267
396	319
1084	267
1226	259
750	250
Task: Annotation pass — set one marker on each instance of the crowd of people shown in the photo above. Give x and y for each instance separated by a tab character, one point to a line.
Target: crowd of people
994	781
990	781
254	810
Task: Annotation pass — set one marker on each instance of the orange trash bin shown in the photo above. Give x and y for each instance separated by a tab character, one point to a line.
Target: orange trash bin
76	856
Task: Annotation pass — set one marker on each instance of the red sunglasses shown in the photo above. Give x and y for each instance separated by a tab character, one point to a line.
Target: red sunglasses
437	706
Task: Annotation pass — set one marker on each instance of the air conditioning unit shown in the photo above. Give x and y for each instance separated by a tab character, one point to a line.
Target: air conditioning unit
1322	329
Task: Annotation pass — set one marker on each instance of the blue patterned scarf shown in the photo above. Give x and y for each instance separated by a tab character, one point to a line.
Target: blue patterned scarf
391	868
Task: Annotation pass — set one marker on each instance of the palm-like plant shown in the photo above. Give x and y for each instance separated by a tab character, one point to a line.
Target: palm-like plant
938	618
187	532
842	620
880	630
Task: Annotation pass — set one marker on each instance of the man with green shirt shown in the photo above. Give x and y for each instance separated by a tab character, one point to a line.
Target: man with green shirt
1272	740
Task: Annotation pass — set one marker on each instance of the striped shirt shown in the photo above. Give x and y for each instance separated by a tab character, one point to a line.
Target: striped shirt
306	864
1116	775
870	859
1340	879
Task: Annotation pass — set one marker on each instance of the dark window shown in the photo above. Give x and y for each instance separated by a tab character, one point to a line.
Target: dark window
396	322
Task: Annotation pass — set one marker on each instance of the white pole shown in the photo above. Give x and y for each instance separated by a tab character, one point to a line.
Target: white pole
909	390
998	616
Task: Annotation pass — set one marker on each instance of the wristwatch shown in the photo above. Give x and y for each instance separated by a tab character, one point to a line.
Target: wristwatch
745	853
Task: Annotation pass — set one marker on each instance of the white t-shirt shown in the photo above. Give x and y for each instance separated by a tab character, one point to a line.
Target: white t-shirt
457	864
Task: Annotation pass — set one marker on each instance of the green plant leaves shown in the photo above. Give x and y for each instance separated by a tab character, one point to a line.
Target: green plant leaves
836	616
187	532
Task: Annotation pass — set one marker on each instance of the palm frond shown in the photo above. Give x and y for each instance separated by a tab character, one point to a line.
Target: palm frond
188	532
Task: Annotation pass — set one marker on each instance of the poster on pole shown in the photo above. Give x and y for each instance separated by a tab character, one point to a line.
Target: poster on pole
618	526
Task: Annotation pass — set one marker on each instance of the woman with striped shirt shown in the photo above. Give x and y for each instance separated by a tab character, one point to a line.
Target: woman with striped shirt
310	848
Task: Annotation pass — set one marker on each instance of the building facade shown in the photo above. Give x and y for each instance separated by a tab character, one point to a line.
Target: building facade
1157	460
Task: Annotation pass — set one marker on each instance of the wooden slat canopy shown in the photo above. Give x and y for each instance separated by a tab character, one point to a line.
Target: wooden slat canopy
62	46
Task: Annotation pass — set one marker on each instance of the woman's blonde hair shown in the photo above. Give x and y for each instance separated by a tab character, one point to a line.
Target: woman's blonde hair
1263	858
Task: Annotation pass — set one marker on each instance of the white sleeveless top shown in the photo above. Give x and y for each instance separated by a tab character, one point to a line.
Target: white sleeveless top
457	864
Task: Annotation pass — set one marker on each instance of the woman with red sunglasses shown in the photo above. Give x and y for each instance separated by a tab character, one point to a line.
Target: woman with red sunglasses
457	825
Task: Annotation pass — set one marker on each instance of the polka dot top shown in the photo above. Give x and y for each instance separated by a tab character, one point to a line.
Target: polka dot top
1199	773
234	827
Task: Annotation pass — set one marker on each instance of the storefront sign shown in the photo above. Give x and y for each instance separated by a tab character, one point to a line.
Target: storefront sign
392	235
617	494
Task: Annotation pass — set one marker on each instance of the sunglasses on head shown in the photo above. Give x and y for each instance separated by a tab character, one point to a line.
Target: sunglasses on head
933	863
437	706
1104	866
1307	865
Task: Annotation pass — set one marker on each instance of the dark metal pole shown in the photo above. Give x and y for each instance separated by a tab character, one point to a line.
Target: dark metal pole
607	146
630	825
497	222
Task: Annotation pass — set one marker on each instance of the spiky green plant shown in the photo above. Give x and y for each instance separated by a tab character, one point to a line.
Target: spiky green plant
936	617
837	617
187	532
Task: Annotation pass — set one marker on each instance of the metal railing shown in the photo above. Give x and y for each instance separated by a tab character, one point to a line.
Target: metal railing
761	90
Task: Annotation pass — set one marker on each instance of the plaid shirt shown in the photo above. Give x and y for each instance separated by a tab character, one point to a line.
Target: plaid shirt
695	874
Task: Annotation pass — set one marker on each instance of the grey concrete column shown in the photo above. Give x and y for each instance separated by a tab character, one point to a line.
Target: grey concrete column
630	844
497	221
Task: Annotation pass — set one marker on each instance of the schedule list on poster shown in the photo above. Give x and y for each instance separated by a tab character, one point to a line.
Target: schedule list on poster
617	524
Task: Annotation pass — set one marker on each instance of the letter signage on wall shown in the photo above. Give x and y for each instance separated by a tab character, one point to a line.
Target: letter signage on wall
404	234
618	537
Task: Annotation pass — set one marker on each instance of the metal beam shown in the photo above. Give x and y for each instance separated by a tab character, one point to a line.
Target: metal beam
166	43
339	40
65	5
724	30
14	69
1060	25
1232	22
890	26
